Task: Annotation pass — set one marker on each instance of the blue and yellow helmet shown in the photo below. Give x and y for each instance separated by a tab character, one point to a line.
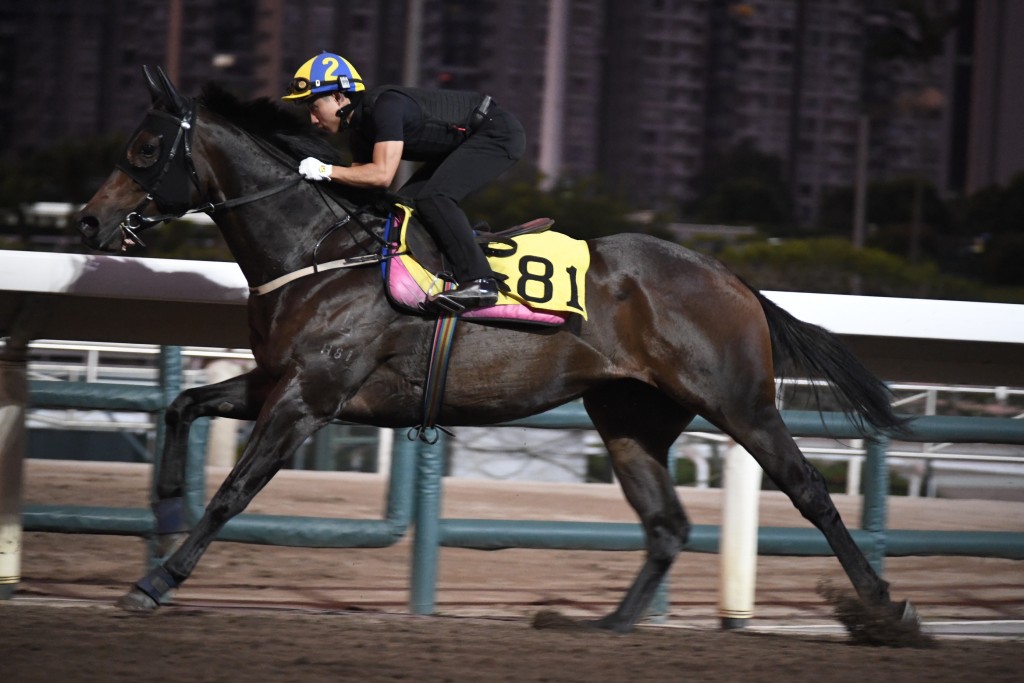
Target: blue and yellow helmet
325	73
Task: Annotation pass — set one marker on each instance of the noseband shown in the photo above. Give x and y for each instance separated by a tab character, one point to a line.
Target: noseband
170	185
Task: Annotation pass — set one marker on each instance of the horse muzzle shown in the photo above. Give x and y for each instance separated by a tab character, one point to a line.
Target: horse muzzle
112	239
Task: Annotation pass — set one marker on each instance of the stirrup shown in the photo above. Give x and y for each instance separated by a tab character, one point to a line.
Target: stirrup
479	293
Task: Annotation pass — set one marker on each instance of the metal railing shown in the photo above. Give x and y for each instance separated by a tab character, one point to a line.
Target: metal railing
414	495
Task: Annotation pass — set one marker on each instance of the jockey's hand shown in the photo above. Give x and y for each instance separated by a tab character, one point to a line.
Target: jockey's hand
314	169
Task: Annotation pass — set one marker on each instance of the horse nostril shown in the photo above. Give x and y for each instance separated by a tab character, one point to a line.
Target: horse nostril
88	226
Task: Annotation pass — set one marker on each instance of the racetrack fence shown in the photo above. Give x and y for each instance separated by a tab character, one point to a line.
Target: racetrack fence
415	492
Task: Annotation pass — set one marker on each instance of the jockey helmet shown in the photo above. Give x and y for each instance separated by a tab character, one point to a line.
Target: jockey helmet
323	74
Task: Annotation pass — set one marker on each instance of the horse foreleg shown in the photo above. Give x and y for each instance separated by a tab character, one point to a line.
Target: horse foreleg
639	425
283	424
238	398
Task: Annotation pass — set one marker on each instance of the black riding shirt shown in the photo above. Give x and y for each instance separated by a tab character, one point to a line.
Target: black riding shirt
430	123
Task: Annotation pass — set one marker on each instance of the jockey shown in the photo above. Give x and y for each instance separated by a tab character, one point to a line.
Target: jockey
464	139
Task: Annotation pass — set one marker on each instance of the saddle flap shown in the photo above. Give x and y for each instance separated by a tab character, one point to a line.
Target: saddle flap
422	247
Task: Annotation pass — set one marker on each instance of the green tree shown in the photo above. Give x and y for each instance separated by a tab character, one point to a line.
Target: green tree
995	209
742	186
582	208
830	266
991	222
67	172
998	259
982	212
890	212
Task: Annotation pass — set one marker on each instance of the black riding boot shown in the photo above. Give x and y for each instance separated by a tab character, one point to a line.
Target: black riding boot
478	293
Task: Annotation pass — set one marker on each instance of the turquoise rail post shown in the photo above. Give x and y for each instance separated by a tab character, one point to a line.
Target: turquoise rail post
427	539
660	606
874	513
169	377
195	471
401	485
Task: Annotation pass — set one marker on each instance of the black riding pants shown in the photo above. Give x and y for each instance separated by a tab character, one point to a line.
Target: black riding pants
436	189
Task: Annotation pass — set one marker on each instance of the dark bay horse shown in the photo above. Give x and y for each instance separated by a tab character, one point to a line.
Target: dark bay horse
671	334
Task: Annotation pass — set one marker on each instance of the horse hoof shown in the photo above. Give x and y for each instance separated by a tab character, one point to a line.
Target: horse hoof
907	613
613	624
137	601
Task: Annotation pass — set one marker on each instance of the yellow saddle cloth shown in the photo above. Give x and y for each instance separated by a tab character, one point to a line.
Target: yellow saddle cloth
543	276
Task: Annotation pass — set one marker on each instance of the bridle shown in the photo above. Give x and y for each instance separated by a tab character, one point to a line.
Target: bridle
179	171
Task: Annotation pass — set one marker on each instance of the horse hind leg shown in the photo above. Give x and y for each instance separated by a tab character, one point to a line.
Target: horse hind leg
639	425
766	438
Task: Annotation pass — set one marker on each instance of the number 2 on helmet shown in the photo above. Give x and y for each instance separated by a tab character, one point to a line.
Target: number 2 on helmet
332	66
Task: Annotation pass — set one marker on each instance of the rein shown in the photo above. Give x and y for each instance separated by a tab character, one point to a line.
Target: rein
350	262
134	221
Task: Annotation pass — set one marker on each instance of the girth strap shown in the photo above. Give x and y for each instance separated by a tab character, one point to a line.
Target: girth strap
437	374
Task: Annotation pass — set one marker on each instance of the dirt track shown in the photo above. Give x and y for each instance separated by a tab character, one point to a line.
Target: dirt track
342	613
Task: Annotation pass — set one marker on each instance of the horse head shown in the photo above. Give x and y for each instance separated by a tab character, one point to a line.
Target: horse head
154	179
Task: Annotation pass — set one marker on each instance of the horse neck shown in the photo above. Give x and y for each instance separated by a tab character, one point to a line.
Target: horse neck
276	235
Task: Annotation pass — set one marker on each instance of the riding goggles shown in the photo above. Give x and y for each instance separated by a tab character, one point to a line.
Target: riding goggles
302	86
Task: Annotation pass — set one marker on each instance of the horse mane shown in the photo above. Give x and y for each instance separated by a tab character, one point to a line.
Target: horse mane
267	120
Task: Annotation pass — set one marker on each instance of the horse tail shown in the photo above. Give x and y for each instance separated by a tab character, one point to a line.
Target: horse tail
811	351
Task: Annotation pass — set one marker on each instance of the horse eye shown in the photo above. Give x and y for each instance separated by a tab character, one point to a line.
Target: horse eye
143	151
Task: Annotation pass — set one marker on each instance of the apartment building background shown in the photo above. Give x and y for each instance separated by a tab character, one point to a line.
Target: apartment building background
640	92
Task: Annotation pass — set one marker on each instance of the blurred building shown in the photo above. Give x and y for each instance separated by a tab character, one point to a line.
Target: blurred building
642	92
996	100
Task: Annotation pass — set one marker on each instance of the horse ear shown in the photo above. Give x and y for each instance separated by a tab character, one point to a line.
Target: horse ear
155	93
174	99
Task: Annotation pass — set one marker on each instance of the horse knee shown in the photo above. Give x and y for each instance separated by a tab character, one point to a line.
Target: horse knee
667	535
180	409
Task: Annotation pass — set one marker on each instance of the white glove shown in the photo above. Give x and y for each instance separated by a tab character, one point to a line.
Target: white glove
314	169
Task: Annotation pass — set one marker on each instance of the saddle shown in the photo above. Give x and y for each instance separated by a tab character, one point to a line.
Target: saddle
541	273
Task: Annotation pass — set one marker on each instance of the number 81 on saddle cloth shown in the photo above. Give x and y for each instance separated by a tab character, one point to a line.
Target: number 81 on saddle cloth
545	274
